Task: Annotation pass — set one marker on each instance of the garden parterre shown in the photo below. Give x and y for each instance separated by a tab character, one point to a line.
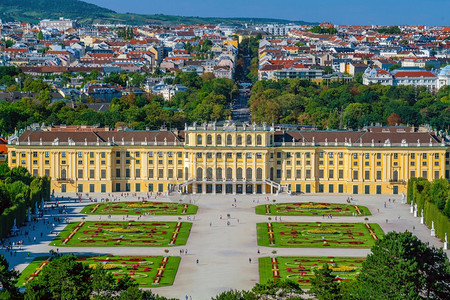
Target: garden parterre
313	235
312	209
139	208
301	269
147	271
123	234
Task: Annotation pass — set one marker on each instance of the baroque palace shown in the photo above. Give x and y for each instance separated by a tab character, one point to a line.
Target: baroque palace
231	158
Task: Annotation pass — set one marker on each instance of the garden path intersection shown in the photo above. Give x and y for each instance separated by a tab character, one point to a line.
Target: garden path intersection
222	250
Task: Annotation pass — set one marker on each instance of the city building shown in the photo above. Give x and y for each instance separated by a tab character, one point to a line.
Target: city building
61	24
231	158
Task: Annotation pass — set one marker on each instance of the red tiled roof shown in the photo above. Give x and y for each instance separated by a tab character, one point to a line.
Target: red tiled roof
3	147
414	74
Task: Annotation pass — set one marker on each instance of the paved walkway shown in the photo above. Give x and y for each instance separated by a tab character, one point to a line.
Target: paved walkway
223	250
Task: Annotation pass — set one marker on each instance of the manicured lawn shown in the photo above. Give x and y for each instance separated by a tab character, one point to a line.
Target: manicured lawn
123	234
30	269
300	269
139	208
322	235
312	209
142	269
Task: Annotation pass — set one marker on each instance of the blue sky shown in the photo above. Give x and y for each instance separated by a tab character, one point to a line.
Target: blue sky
379	12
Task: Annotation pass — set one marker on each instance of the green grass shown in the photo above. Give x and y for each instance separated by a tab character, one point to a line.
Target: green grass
141	269
323	235
128	234
139	208
311	209
30	269
300	269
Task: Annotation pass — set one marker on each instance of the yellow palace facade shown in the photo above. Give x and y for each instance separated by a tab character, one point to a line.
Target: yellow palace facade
231	159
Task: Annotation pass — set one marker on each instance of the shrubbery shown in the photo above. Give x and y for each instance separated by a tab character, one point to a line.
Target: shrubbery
18	191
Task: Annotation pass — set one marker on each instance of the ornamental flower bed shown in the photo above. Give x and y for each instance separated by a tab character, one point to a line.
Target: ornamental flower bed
301	269
144	270
312	209
310	235
139	208
123	234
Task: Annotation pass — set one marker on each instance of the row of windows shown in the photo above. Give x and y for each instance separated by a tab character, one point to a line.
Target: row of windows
179	154
170	173
229	139
229	155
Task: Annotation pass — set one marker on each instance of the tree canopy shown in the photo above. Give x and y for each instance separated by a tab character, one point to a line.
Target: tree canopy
353	105
400	266
67	278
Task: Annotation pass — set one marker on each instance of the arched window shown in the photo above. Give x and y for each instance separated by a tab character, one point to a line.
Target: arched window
219	139
249	139
239	140
395	176
258	140
187	139
209	139
199	174
229	173
239	174
199	139
209	174
271	139
258	174
248	174
219	173
229	140
63	174
271	173
186	173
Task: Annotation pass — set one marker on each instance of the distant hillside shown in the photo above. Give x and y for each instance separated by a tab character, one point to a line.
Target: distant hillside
35	10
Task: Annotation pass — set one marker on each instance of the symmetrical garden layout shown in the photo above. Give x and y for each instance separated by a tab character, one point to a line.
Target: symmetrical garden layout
313	235
301	269
123	234
147	271
139	208
312	209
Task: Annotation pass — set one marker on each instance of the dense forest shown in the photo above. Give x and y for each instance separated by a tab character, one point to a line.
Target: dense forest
289	101
207	98
353	105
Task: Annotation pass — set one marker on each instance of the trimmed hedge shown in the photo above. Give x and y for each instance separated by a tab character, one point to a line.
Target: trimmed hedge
23	191
441	222
420	192
18	212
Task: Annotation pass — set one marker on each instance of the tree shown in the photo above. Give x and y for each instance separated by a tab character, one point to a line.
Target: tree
394	120
323	285
394	67
134	293
280	289
235	295
8	280
105	286
63	278
390	30
40	36
327	70
400	266
67	278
